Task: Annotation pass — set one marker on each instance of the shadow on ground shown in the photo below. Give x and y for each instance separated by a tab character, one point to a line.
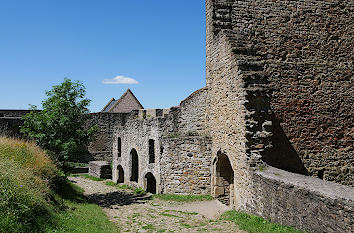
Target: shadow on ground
117	198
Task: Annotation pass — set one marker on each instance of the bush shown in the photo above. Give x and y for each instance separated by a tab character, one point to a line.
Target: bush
60	127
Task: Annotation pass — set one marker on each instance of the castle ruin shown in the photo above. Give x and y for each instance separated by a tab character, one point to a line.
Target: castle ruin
271	133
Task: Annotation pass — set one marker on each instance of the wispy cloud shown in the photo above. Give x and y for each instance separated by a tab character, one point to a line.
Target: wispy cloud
120	79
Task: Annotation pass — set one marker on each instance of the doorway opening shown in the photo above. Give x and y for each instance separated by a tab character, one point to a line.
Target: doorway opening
150	183
224	180
120	174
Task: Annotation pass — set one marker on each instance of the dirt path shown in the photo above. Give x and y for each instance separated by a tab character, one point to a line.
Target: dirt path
141	214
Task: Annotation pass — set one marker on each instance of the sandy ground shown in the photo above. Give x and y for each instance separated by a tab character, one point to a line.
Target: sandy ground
135	213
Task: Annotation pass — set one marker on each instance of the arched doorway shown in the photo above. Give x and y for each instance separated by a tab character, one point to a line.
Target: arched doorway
120	174
134	166
150	183
224	179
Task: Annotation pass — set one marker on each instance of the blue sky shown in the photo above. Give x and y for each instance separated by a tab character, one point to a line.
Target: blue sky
158	43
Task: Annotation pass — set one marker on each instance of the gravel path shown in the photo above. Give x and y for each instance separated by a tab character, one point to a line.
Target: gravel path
141	214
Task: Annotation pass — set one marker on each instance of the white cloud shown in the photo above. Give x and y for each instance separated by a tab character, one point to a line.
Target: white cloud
120	79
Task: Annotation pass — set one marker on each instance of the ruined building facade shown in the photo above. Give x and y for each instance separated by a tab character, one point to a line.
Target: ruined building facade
271	133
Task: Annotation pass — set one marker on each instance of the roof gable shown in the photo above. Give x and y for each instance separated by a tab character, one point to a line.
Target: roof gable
126	103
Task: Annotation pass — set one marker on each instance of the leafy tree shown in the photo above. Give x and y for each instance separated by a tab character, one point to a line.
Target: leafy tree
59	127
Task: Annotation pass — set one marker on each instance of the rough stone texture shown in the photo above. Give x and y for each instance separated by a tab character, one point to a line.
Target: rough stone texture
10	122
101	147
192	119
307	49
279	79
315	205
182	151
185	165
100	169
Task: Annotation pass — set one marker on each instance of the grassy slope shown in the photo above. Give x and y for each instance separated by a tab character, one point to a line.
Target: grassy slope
28	202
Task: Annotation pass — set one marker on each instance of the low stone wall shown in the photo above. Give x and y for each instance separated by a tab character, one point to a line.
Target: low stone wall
100	169
304	202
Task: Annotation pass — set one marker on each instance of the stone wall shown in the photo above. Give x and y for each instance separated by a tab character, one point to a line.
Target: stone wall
278	95
13	112
307	52
179	148
185	165
192	114
11	121
101	147
304	202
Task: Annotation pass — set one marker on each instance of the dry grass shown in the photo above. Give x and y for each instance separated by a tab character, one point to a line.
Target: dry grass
29	156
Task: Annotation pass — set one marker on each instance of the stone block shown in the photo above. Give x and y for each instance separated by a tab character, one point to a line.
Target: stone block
218	191
100	169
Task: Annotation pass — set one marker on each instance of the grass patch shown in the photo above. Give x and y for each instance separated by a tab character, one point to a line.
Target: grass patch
182	198
119	186
255	224
139	191
87	176
148	227
169	215
181	212
36	197
186	225
80	216
27	177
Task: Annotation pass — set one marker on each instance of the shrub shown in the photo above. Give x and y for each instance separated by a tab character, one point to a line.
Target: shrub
60	127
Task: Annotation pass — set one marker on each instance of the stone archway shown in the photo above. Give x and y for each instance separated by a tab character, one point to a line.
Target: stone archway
120	174
134	175
223	179
150	183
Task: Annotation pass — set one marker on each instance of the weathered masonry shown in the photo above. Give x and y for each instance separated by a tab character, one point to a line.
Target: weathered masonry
271	133
165	150
280	93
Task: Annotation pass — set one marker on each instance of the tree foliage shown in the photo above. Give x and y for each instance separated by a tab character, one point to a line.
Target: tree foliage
60	126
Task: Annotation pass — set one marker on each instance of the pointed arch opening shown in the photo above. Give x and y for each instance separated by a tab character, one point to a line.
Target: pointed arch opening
150	182
224	179
134	165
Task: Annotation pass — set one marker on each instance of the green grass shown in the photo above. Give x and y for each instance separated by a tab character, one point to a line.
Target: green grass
87	176
148	227
182	198
255	224
119	186
186	225
26	178
169	215
36	197
139	191
80	216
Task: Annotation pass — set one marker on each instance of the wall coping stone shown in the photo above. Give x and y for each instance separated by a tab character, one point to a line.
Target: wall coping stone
325	188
